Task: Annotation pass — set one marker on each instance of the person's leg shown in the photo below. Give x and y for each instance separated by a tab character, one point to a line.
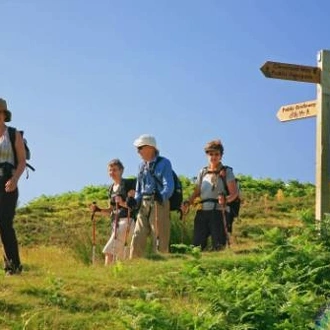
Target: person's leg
128	239
201	230
141	231
8	203
217	230
230	219
108	258
114	249
163	226
108	250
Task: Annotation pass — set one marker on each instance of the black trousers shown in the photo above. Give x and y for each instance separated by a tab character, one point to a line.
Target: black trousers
8	201
209	223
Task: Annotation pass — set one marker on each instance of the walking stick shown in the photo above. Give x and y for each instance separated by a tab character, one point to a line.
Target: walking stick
156	225
93	234
183	218
115	233
223	211
127	232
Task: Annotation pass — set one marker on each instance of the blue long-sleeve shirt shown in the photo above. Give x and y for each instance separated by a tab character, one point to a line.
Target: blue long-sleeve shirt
147	184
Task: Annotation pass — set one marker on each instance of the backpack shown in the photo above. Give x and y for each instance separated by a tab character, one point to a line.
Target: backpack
235	204
12	137
177	195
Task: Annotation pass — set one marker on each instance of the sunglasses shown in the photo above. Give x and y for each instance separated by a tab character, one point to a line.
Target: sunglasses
140	148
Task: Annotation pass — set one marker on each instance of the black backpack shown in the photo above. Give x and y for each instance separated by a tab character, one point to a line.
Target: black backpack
235	204
12	137
177	196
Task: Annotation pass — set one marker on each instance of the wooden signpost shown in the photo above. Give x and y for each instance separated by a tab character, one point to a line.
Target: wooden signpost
297	111
320	108
293	72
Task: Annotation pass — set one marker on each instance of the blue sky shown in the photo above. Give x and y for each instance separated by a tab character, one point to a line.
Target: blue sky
83	79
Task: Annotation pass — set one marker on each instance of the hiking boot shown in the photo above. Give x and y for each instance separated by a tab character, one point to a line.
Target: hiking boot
9	272
19	269
13	270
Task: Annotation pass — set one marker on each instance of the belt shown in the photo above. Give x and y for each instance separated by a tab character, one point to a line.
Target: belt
209	200
148	197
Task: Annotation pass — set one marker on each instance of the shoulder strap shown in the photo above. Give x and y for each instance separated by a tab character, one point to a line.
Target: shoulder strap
12	137
110	190
158	159
204	171
152	170
223	174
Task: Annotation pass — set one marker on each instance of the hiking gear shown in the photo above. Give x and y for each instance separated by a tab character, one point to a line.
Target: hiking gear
177	195
3	107
115	230
145	140
224	219
183	218
93	234
127	233
156	226
12	136
234	206
11	269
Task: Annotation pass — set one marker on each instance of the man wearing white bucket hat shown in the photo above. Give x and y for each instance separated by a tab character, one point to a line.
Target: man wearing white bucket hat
155	186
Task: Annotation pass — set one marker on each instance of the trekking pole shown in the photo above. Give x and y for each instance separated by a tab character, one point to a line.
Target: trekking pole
223	211
156	225
183	218
93	234
127	232
115	231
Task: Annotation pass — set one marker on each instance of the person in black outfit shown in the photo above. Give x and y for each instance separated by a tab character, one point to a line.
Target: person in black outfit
11	168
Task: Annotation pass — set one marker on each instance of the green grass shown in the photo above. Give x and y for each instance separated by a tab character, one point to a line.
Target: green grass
274	276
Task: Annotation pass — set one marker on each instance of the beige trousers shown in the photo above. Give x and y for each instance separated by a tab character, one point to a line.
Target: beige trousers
153	219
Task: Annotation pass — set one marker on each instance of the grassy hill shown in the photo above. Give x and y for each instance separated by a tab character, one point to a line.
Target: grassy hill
275	275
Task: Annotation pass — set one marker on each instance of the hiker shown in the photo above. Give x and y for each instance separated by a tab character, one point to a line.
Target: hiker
154	187
9	176
120	209
210	219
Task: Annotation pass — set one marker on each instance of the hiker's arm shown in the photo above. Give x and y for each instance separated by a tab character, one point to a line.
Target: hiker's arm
185	205
11	184
130	202
106	211
167	179
232	188
233	191
196	193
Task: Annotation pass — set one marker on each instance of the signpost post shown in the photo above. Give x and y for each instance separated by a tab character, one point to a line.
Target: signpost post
323	137
320	108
